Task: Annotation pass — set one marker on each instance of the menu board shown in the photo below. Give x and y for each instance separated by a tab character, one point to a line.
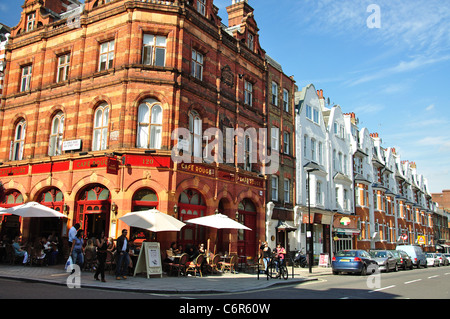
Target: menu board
149	260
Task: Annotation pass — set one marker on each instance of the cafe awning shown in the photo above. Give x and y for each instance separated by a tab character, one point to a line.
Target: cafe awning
283	225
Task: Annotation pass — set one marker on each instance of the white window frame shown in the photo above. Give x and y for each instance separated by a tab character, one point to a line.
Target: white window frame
286	100
56	135
106	55
150	123
153	46
275	93
18	143
275	138
201	7
286	142
287	185
319	197
25	80
31	21
197	64
248	93
274	188
100	132
195	129
63	68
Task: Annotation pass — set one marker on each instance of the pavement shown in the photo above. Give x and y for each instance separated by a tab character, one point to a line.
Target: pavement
209	284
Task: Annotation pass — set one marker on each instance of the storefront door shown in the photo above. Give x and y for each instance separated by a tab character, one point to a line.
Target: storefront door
93	211
246	245
191	205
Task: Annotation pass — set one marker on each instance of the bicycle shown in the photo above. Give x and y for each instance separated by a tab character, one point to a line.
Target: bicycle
272	269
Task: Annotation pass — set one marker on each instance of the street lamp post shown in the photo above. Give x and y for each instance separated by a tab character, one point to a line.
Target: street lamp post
310	167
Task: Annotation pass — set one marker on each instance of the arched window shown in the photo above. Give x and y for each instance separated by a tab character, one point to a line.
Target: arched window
195	129
144	199
150	117
100	136
16	151
56	135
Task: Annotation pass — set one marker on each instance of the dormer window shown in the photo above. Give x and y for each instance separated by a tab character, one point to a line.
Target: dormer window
250	41
31	21
201	7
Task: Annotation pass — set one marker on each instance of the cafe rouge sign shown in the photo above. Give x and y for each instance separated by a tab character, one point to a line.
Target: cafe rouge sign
110	163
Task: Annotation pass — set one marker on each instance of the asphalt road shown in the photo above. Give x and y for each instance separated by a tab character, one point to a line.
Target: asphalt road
430	283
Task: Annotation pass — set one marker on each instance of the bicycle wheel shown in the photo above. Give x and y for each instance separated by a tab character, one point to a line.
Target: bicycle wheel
284	272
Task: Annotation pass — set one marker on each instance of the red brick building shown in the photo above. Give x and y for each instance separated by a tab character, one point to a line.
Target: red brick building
92	95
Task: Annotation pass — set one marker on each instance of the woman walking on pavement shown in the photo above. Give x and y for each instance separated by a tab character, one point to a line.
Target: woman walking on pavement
102	246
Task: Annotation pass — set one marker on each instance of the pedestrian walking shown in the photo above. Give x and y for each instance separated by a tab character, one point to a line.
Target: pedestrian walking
123	259
77	249
102	246
73	233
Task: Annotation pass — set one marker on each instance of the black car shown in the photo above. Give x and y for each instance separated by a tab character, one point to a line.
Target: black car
407	262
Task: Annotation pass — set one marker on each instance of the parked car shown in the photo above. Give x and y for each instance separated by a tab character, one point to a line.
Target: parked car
448	257
397	258
432	260
354	261
416	253
407	262
442	259
385	260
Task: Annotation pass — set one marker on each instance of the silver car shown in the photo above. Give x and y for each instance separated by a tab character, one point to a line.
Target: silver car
385	260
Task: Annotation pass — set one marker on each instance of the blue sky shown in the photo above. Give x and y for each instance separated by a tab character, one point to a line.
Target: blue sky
395	78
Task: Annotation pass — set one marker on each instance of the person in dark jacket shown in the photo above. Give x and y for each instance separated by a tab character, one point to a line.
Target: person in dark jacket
123	259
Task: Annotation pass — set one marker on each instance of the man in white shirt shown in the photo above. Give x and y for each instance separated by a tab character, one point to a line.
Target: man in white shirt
73	233
123	258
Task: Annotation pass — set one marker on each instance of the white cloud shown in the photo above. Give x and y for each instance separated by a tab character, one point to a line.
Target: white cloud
429	107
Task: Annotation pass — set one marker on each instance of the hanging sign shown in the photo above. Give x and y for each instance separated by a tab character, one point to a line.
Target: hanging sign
149	260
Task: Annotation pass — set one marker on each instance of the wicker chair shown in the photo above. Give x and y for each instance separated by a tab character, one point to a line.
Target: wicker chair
229	265
180	266
213	267
196	265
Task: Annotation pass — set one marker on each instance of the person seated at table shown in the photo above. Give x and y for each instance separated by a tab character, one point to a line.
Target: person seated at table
111	245
192	251
171	253
18	251
179	250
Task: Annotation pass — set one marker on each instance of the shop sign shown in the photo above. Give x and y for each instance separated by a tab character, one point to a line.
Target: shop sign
198	169
112	166
305	218
90	163
226	175
251	181
147	160
14	171
50	167
345	221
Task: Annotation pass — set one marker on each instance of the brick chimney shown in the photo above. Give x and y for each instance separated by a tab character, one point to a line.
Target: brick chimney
238	10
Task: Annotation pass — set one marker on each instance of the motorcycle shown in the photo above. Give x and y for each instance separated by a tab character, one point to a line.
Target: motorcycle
300	259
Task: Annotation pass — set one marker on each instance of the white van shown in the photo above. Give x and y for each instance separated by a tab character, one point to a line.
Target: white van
416	253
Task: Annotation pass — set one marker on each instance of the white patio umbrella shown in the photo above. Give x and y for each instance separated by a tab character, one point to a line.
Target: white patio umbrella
152	220
218	221
32	209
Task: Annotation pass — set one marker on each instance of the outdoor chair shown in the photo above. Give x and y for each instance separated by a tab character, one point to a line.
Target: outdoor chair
196	265
180	267
89	260
229	265
110	262
213	267
11	256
